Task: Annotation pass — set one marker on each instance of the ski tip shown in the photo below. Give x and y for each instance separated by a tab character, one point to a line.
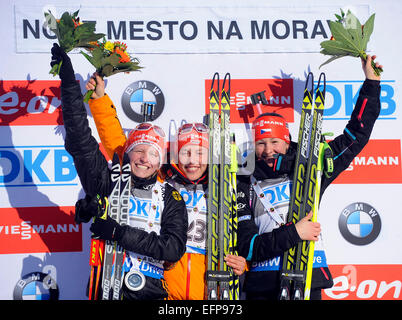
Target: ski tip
126	158
115	158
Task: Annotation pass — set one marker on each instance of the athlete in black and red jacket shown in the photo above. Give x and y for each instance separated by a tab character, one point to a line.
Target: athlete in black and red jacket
262	239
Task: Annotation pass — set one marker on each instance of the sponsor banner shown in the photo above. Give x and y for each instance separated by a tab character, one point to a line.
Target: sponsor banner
365	282
39	229
30	102
36	286
32	166
360	223
275	264
378	162
278	93
341	97
139	93
197	29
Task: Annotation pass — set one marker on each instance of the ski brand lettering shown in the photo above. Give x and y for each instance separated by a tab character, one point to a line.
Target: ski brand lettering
318	135
298	261
306	133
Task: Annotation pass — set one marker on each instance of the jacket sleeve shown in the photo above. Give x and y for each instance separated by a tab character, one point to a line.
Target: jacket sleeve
108	125
259	247
358	130
89	162
170	244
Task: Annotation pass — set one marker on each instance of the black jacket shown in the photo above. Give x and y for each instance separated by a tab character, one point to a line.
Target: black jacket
94	174
269	245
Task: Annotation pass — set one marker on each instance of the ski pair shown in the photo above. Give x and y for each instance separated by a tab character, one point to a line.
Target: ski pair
297	261
222	283
108	252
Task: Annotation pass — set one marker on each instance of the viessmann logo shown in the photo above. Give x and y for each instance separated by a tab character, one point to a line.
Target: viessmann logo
378	162
39	229
30	102
278	92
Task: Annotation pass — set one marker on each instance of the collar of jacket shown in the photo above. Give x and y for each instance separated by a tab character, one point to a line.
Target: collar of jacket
143	183
262	171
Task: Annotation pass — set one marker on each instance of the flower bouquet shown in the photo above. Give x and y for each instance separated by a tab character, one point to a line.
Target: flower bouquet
71	33
349	38
109	58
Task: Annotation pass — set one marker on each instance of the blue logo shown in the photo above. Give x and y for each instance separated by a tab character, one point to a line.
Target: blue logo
141	208
139	93
277	194
194	199
359	223
342	97
36	286
24	166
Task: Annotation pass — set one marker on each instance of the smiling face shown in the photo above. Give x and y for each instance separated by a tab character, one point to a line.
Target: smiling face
193	161
266	148
144	160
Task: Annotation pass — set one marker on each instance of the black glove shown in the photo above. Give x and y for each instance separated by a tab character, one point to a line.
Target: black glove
107	229
66	74
89	207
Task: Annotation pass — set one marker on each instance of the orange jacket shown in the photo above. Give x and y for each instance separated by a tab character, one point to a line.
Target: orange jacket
108	125
186	281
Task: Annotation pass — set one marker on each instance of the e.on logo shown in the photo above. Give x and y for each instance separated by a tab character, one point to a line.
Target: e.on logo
378	162
278	92
30	102
365	282
39	229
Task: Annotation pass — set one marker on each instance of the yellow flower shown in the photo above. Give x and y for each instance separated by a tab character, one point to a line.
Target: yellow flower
109	46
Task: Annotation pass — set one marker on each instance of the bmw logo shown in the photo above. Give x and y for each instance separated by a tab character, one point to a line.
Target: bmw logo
140	92
359	223
36	286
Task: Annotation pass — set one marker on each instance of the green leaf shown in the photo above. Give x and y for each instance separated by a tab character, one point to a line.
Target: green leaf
83	42
354	27
330	60
107	70
51	22
367	31
84	29
75	14
342	35
334	47
89	58
67	20
113	60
